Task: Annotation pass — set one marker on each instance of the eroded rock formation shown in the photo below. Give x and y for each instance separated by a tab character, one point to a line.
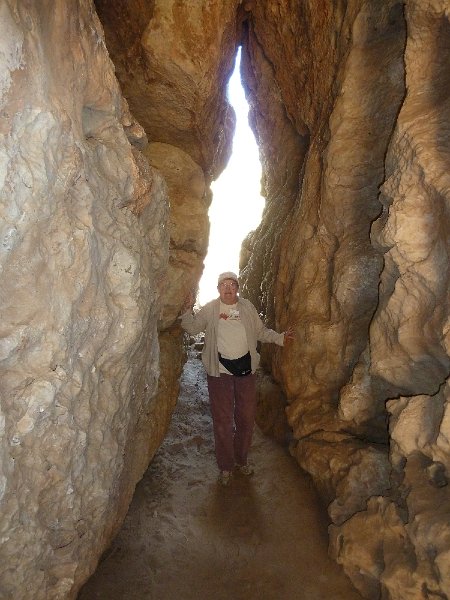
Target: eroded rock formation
362	274
104	230
83	256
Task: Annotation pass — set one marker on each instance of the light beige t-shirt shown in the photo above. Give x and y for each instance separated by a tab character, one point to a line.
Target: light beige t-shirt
231	336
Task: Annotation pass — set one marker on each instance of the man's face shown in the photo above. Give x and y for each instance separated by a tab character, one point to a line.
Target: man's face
228	289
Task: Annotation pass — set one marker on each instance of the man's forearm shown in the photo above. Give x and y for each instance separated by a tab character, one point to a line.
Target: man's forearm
191	323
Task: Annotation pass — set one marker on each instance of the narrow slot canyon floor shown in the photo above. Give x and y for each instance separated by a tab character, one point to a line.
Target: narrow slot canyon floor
187	538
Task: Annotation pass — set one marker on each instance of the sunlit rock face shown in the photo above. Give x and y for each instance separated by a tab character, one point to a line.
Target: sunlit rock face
173	60
104	231
361	270
83	255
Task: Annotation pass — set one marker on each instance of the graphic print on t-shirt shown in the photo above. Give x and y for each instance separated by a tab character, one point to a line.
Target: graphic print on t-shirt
233	315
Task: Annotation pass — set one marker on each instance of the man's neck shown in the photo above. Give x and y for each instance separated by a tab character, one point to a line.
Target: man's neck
229	302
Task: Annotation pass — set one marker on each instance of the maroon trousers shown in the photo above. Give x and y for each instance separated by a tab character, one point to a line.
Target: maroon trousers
233	408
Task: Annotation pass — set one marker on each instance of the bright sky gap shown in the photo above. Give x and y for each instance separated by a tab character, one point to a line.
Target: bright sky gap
237	205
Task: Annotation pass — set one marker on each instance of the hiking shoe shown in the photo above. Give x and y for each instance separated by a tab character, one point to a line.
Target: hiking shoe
225	477
245	470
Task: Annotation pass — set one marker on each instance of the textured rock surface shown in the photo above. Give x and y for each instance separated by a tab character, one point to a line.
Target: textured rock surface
271	403
188	223
359	343
83	254
409	336
350	107
173	60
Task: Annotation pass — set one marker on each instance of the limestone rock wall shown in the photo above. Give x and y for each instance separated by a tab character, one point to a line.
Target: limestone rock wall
359	264
84	250
283	147
173	61
104	230
409	335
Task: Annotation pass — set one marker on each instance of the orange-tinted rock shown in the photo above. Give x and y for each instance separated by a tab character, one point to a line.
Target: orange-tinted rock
173	61
350	108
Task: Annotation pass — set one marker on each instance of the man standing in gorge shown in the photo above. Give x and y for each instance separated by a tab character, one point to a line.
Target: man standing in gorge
232	329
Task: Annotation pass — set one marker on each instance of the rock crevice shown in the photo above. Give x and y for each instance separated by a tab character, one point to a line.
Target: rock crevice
114	121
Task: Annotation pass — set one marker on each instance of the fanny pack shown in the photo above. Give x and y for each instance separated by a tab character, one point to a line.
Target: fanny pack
237	366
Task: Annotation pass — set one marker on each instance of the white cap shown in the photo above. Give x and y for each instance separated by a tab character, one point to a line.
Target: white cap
228	275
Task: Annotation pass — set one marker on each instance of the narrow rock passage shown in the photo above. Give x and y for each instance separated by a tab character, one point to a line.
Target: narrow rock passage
186	538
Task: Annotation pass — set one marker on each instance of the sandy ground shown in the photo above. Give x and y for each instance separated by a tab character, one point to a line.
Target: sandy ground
187	538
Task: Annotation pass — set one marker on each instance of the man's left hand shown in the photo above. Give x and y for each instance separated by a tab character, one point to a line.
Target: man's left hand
289	334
